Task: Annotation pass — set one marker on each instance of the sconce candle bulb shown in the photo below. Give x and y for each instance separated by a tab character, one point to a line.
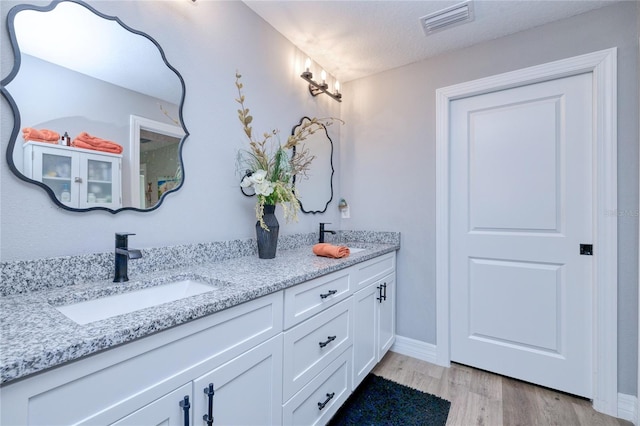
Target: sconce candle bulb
316	88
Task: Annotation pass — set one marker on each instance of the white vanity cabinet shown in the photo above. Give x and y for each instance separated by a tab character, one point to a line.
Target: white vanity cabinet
335	331
153	374
79	178
318	338
374	314
292	357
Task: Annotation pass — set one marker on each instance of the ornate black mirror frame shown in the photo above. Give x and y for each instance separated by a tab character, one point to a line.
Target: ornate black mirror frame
16	113
293	131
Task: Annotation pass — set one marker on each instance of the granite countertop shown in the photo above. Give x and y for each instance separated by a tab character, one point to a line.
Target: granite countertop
36	336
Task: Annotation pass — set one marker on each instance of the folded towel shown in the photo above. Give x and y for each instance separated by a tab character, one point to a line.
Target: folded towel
80	144
42	135
329	250
85	140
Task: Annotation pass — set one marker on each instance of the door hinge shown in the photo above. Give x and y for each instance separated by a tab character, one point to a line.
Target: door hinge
586	249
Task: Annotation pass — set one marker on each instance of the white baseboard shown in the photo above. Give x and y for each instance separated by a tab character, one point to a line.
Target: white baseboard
415	349
628	408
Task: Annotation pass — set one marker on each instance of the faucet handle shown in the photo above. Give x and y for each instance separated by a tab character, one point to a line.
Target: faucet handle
124	234
122	239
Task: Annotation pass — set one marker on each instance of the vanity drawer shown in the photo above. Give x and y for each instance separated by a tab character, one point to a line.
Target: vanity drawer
374	269
314	344
332	386
305	300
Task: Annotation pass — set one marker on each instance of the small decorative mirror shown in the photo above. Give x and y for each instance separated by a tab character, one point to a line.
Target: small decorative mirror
316	190
97	109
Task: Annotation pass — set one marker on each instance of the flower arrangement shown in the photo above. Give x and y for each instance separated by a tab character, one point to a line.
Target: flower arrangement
267	166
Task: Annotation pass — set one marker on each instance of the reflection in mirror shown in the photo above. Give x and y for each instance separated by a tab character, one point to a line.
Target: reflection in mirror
154	153
315	192
109	88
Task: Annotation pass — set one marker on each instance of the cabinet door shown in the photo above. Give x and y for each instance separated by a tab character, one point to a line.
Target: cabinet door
57	169
100	185
365	350
387	315
166	411
247	389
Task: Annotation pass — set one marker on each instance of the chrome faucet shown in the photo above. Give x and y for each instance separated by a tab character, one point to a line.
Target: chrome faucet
123	254
324	231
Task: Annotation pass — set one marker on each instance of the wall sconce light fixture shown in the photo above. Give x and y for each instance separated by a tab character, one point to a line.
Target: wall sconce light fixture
316	88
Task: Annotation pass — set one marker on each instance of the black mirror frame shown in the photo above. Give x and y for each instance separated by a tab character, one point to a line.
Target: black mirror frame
293	131
16	113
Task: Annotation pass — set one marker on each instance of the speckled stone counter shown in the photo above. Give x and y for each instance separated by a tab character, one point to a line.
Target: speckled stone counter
35	336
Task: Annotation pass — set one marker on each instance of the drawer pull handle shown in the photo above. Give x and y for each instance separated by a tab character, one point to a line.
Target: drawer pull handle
209	417
327	294
321	405
329	340
185	407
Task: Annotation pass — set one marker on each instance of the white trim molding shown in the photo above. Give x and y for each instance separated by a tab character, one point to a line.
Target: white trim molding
628	408
137	123
415	349
602	65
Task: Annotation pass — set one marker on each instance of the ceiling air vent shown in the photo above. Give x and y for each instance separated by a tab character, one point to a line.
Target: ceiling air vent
446	18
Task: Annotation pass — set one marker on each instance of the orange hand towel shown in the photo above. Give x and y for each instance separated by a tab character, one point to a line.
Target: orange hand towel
42	135
85	140
329	250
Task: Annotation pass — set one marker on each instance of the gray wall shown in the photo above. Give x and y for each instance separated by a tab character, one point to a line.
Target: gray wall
388	156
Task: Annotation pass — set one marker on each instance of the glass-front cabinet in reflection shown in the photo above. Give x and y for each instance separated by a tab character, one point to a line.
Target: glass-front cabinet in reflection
79	178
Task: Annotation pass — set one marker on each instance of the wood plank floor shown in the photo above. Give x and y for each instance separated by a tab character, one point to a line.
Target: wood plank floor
486	399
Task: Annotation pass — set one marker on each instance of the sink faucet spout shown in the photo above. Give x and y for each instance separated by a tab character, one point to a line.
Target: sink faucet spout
123	254
324	231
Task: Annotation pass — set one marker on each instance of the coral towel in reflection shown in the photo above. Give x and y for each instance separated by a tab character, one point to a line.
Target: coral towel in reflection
329	250
86	141
42	135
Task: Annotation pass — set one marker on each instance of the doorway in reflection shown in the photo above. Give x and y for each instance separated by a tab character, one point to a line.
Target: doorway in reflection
158	171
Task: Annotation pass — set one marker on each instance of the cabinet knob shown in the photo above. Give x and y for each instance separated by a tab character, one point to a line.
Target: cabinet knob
77	179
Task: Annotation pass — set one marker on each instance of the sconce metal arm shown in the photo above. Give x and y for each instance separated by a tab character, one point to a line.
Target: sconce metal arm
316	88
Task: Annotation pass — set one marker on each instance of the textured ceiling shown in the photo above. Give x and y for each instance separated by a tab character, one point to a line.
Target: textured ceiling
353	39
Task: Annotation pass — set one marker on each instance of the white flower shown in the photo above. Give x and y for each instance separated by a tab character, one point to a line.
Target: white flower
264	188
256	178
259	182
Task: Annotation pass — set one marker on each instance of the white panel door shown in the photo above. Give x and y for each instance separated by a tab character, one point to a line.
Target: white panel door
521	205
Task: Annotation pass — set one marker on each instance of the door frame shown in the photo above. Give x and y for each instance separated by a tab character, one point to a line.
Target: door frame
602	65
137	123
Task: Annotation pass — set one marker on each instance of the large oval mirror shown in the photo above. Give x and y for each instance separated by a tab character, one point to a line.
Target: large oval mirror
97	107
315	190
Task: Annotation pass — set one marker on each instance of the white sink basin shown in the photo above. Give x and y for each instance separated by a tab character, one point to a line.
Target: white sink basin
355	249
111	306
